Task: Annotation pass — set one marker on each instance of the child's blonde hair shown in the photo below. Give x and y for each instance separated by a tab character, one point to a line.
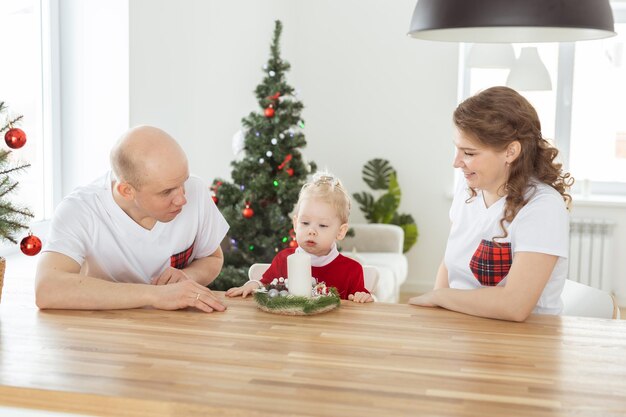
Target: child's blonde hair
326	187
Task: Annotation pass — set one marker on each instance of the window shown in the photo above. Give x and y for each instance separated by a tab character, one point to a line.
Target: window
584	112
24	87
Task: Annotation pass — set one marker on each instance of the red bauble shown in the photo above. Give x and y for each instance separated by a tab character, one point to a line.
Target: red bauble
269	112
30	245
15	138
293	244
247	212
215	199
289	171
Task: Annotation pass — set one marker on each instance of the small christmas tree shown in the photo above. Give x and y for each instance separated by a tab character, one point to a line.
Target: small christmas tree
267	181
13	218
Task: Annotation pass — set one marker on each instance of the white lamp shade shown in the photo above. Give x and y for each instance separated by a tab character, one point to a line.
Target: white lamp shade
491	55
529	73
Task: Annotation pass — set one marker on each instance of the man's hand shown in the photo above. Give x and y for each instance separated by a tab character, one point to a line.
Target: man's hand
186	293
170	276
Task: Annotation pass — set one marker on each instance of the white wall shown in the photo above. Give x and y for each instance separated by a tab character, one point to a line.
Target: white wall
94	85
369	91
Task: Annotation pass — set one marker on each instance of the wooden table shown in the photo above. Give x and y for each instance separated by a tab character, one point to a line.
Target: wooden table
374	359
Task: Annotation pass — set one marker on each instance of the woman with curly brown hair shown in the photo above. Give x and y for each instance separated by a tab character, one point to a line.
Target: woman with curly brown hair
507	250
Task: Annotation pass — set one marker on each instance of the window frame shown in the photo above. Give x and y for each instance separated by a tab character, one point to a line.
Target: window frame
585	190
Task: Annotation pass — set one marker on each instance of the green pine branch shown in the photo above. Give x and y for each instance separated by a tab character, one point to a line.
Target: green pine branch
13	218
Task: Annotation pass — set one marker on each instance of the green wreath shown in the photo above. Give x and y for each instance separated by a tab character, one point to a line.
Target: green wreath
294	305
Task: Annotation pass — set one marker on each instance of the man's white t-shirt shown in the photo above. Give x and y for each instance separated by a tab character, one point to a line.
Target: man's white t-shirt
542	226
89	227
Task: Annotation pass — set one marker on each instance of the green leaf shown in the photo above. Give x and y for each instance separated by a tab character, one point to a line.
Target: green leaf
366	204
406	222
376	173
410	236
394	189
384	208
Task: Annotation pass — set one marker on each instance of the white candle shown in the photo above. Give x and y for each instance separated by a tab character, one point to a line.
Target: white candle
299	274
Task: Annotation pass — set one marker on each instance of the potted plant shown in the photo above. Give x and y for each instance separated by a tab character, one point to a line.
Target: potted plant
382	178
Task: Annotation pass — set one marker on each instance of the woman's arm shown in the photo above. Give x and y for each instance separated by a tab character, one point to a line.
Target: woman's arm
441	281
515	301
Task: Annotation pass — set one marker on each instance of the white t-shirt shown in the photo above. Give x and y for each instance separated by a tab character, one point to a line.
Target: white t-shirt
89	227
542	225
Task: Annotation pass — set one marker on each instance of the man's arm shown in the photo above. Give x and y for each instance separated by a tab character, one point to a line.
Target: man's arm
60	285
201	270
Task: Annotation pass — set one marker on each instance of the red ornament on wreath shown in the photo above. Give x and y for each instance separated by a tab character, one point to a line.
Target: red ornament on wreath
247	212
269	112
214	198
15	138
30	245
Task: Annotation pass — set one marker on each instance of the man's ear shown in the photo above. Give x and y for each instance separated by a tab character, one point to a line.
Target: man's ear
343	229
513	151
125	190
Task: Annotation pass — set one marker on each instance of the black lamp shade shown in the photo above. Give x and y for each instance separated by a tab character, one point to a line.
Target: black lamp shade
512	20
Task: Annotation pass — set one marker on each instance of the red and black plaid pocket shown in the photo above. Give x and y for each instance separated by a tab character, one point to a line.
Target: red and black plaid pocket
180	260
491	262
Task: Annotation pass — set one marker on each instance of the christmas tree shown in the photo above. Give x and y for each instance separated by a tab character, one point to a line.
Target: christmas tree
13	218
265	184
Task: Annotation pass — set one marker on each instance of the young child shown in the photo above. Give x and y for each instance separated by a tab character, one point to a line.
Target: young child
321	218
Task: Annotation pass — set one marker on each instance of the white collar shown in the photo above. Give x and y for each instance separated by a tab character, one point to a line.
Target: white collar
321	260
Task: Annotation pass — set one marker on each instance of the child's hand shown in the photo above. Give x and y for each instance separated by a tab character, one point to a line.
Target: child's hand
244	290
361	297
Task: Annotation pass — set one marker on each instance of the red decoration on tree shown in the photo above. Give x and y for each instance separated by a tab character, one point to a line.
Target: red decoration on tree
269	112
285	161
30	245
247	212
15	138
214	189
293	243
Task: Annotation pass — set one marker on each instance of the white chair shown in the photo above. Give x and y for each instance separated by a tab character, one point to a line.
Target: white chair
585	301
370	275
380	245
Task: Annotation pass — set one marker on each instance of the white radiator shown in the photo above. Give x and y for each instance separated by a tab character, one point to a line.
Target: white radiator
590	254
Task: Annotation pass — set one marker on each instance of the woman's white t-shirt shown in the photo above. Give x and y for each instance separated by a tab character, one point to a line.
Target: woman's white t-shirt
89	227
542	226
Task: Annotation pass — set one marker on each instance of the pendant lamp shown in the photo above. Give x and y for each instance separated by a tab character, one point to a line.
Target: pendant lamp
529	73
525	21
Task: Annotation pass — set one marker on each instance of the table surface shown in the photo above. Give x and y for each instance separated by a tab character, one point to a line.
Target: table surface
371	359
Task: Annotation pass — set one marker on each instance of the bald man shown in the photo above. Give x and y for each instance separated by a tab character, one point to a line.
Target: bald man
145	234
